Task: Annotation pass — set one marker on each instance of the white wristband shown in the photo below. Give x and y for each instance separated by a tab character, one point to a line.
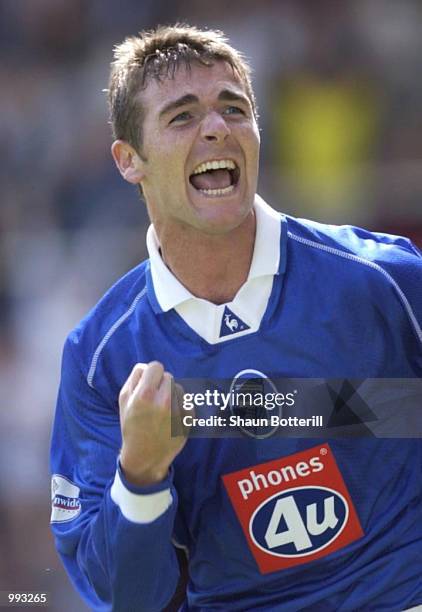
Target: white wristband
137	507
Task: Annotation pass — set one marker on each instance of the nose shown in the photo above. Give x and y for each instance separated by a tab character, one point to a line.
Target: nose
214	128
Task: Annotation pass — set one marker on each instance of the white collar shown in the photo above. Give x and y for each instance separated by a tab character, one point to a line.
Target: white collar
170	292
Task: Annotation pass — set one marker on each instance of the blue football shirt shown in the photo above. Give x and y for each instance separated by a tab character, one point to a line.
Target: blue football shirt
269	524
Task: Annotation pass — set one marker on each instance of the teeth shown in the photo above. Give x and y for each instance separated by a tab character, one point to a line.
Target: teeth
217	192
215	165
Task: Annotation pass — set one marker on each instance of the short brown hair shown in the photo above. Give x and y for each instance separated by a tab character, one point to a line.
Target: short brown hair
157	54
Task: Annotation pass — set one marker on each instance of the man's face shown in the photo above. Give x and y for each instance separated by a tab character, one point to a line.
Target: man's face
201	146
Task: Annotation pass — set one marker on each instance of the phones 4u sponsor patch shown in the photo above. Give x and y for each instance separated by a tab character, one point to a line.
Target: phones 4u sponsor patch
295	509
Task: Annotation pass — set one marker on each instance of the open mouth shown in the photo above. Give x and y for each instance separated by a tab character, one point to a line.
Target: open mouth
215	177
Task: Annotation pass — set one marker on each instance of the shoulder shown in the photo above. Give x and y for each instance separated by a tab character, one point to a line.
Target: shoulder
384	253
383	269
126	299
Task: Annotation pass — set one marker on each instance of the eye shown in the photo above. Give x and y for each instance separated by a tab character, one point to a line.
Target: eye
233	110
181	117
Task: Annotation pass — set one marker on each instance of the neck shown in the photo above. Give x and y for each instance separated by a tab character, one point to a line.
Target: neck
211	267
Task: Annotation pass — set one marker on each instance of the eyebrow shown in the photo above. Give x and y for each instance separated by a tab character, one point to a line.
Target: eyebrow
175	104
225	95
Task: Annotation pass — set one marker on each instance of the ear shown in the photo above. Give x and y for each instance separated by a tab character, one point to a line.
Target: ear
130	165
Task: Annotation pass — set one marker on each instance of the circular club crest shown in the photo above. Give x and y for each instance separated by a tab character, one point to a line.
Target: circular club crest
248	392
299	522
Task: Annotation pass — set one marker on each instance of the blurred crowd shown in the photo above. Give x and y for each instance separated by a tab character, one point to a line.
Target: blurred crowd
340	102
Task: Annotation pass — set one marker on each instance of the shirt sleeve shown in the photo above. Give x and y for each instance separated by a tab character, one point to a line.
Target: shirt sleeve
405	268
113	538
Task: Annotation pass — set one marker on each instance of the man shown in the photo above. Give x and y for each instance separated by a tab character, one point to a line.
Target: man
231	287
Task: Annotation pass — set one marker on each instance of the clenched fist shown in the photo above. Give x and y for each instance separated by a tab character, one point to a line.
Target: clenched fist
148	447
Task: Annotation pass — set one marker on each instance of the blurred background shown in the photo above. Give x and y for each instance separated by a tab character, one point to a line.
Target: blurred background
340	97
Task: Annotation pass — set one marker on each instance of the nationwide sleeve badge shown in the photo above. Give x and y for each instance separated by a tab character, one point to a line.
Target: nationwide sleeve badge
65	504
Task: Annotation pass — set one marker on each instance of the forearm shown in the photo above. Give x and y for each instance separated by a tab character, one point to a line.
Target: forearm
114	536
124	558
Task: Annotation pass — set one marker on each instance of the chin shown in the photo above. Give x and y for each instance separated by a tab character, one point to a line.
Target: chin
219	214
224	219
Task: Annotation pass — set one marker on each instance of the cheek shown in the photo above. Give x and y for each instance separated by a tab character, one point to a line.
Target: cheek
173	172
169	178
166	162
252	159
256	136
251	139
176	160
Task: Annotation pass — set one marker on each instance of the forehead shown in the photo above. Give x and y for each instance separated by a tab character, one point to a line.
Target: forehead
205	82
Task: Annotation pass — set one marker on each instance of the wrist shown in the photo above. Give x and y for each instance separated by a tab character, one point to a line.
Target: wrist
141	504
144	477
